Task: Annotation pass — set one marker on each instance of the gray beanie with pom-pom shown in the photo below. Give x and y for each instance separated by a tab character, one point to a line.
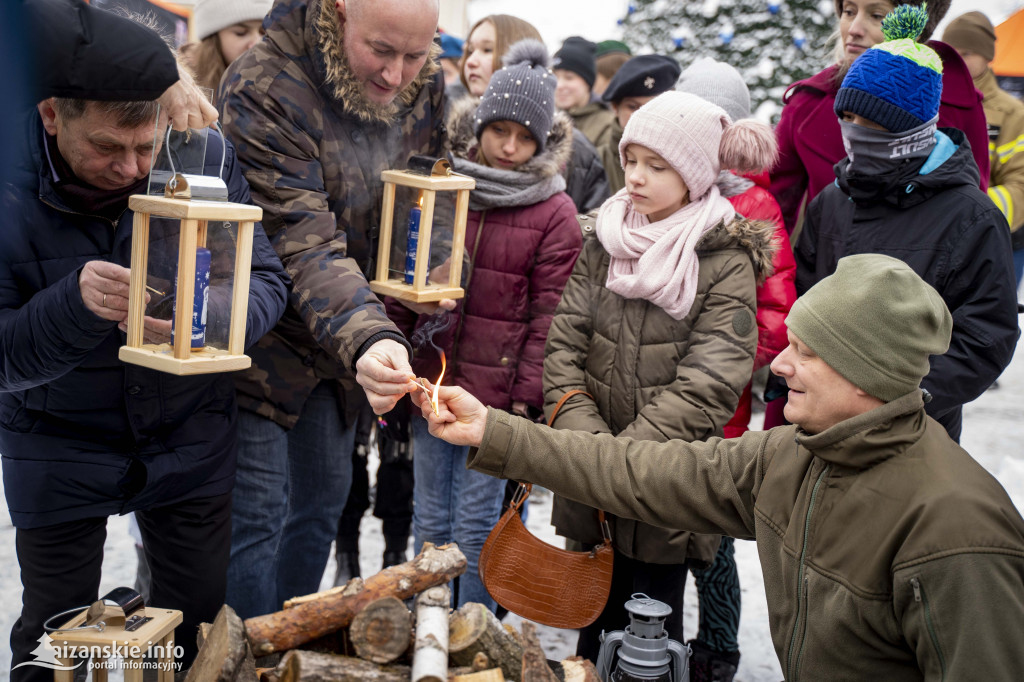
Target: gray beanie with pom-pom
522	91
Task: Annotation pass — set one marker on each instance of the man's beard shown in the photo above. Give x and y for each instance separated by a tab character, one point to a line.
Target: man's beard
357	102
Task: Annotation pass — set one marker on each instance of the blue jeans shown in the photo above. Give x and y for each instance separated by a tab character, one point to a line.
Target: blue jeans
290	490
453	504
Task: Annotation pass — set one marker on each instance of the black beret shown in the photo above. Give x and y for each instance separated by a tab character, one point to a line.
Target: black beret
644	76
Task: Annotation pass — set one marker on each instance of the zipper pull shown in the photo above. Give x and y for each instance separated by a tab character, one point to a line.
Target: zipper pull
916	584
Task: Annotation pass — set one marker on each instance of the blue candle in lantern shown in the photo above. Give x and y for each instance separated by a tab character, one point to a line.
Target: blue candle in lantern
200	299
412	243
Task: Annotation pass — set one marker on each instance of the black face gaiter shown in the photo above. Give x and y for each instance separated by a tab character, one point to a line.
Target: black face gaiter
879	152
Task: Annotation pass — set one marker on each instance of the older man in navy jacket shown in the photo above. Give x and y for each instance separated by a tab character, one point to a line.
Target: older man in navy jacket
84	436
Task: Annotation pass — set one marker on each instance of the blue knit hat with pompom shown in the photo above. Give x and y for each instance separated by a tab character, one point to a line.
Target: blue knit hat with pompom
522	91
897	83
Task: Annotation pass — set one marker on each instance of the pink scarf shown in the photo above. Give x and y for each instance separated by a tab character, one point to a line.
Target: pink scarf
658	261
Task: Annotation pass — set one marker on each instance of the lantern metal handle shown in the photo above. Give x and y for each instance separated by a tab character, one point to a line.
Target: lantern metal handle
173	182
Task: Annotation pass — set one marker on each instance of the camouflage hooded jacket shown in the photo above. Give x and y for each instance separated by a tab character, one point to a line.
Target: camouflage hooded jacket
312	153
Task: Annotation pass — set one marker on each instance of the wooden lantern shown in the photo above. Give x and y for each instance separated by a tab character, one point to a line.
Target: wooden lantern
429	176
127	634
180	358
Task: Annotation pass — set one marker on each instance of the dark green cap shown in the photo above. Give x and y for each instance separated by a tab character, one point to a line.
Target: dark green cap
876	322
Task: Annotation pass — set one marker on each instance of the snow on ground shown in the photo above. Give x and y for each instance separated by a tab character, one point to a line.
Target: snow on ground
993	434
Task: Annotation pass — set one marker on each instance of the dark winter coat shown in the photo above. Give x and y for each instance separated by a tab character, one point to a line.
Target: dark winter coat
775	295
594	120
653	377
313	157
888	553
584	175
612	160
953	236
520	258
810	142
82	433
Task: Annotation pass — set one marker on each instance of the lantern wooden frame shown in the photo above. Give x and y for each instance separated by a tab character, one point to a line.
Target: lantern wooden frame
420	291
158	631
180	358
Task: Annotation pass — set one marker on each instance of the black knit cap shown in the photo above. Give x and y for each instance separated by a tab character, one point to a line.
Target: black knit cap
578	55
644	76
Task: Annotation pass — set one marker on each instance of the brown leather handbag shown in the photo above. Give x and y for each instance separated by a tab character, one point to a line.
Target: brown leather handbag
541	582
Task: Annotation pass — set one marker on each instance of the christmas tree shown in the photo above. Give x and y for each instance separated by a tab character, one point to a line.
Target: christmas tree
772	43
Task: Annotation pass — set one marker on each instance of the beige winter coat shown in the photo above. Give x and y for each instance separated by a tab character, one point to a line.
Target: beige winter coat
653	377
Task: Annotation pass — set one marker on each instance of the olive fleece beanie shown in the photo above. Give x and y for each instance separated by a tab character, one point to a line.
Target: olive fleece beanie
876	322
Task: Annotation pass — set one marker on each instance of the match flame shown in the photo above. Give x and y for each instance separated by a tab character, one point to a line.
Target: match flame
419	202
437	384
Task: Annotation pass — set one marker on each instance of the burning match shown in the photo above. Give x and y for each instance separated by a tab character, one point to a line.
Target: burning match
432	394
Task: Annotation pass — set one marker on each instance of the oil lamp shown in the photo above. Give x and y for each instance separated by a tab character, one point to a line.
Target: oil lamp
643	651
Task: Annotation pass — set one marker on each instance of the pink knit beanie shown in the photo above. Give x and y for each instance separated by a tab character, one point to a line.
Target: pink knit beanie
698	139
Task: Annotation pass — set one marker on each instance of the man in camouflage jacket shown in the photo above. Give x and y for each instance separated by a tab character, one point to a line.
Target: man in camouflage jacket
335	93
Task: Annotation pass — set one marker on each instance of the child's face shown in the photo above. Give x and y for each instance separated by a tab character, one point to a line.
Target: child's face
507	144
479	60
655	188
627	106
572	91
857	119
235	40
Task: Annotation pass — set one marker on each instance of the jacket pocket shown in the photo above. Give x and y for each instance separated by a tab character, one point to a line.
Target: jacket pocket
921	599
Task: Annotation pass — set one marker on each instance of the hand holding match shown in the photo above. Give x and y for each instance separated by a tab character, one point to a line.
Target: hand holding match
458	417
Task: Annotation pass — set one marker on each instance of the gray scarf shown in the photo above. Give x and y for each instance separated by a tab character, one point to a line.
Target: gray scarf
499	188
875	152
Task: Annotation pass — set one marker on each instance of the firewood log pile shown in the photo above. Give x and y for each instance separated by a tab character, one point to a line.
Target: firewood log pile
366	632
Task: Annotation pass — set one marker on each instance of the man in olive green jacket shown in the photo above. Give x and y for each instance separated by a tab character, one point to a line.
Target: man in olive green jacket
887	551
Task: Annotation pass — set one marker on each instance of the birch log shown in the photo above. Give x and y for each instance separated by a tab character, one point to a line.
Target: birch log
314	617
430	657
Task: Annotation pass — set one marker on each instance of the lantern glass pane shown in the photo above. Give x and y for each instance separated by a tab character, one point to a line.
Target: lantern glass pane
403	249
212	289
221	240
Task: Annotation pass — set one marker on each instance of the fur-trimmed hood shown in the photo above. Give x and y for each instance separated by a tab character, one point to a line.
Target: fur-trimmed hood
756	237
320	38
462	140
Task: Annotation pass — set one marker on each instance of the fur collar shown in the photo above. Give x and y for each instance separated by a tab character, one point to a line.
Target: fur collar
341	83
462	139
756	237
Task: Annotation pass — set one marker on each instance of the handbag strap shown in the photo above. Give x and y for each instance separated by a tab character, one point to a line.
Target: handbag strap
523	491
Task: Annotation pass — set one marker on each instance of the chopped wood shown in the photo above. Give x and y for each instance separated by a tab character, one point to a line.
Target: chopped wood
480	661
309	619
348	588
579	669
492	675
382	631
310	666
474	629
535	663
430	656
223	650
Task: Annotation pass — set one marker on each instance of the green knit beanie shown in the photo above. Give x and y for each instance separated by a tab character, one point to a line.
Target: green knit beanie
875	322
